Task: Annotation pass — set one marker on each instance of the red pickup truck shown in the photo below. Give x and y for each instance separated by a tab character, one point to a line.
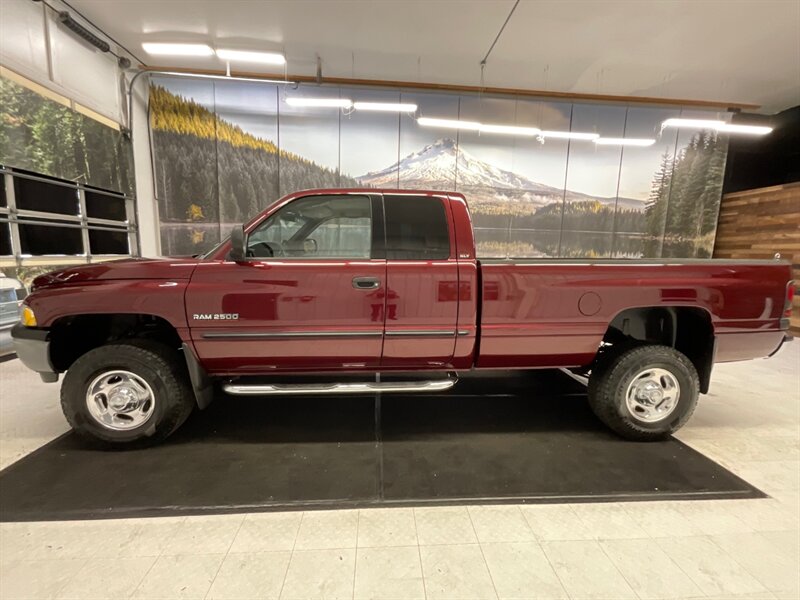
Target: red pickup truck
377	291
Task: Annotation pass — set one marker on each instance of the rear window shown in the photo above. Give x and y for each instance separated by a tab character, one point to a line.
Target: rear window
416	228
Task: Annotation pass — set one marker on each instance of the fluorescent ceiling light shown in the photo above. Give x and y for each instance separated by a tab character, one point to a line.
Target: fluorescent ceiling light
178	49
385	106
449	123
746	129
625	141
267	58
570	135
693	123
509	129
320	102
717	125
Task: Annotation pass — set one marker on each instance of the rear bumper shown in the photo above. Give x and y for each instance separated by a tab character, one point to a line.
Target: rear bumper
33	349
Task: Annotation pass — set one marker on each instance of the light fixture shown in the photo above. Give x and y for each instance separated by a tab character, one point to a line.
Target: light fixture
570	135
178	49
716	125
745	129
320	102
266	58
624	141
385	106
449	123
509	129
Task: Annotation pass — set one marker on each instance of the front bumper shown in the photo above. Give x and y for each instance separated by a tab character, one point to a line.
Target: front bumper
33	349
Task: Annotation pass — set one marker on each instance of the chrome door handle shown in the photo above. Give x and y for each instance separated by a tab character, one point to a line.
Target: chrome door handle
366	283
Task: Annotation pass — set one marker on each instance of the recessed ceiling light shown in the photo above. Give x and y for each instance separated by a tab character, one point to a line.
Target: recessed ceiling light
178	49
449	123
509	129
267	58
570	135
320	102
625	141
385	106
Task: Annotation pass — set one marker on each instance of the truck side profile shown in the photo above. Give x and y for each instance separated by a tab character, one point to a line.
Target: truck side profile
327	288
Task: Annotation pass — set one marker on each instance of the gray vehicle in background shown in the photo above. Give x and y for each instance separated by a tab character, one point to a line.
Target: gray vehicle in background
12	293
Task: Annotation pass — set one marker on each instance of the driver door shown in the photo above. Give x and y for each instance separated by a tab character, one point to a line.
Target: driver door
310	297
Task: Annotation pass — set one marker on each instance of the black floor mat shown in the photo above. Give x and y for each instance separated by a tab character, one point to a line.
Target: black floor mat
501	437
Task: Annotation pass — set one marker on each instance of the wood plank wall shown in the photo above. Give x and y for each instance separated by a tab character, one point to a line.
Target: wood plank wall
759	223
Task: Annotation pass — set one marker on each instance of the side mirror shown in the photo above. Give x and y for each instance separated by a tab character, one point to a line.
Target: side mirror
238	244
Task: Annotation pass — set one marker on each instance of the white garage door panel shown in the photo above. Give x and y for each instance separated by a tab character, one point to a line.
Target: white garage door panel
22	42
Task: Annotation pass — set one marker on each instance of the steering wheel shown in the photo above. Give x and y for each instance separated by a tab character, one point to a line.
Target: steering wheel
265	250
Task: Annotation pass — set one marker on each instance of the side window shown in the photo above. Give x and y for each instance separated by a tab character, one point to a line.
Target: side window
316	227
416	228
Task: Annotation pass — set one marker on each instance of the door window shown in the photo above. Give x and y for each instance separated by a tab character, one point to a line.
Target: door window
316	227
416	228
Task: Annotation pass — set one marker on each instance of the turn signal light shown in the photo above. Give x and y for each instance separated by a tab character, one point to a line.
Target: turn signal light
28	318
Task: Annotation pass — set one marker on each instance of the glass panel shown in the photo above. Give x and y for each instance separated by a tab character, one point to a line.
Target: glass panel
427	154
247	149
108	242
316	227
38	240
183	129
103	206
5	239
370	141
416	228
309	140
593	170
45	197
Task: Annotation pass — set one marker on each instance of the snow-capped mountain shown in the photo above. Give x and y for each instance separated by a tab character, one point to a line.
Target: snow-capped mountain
439	164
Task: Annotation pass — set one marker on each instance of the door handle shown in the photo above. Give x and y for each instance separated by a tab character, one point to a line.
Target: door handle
366	283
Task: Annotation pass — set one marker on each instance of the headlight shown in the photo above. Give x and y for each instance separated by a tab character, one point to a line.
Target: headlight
28	318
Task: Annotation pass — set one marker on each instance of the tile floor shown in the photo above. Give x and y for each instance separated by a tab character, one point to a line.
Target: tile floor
647	550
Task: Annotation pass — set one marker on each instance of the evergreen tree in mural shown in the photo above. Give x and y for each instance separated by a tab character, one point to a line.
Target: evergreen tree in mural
209	170
41	135
684	198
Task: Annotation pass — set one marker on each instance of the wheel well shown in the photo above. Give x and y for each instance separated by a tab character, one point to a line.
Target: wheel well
72	337
687	329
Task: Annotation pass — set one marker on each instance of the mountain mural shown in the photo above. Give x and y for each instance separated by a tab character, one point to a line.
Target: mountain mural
443	164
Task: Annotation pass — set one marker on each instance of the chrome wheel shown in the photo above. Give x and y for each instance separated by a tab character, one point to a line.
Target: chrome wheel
652	395
120	400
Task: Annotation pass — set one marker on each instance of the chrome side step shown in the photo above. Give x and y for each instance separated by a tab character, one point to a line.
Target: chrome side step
243	389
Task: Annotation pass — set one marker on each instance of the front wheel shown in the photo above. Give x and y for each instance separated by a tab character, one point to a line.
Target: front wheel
644	393
127	394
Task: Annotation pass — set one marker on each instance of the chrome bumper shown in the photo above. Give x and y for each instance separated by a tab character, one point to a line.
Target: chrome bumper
33	349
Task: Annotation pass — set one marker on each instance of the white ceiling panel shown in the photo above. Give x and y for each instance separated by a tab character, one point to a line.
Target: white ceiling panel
744	51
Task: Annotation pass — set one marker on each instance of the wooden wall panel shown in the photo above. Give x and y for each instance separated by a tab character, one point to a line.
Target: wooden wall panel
759	223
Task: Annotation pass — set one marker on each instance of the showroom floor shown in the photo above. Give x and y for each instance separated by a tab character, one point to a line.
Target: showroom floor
750	423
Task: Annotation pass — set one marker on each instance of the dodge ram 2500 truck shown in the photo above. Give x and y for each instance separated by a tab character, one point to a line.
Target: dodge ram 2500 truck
377	291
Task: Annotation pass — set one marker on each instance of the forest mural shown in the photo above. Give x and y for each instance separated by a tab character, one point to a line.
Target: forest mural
224	151
41	135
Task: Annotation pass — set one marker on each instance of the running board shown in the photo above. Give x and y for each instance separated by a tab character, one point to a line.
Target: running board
283	389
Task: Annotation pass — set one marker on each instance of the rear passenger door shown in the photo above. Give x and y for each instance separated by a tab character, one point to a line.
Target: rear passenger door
422	282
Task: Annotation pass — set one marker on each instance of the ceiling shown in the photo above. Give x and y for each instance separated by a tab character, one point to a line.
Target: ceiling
738	51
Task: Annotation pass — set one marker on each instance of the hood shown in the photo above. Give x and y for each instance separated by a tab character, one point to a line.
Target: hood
128	268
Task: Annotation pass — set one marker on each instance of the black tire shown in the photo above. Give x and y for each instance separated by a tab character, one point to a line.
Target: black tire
158	365
611	378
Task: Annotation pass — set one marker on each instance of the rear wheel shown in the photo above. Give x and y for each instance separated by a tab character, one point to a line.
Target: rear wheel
644	393
127	394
